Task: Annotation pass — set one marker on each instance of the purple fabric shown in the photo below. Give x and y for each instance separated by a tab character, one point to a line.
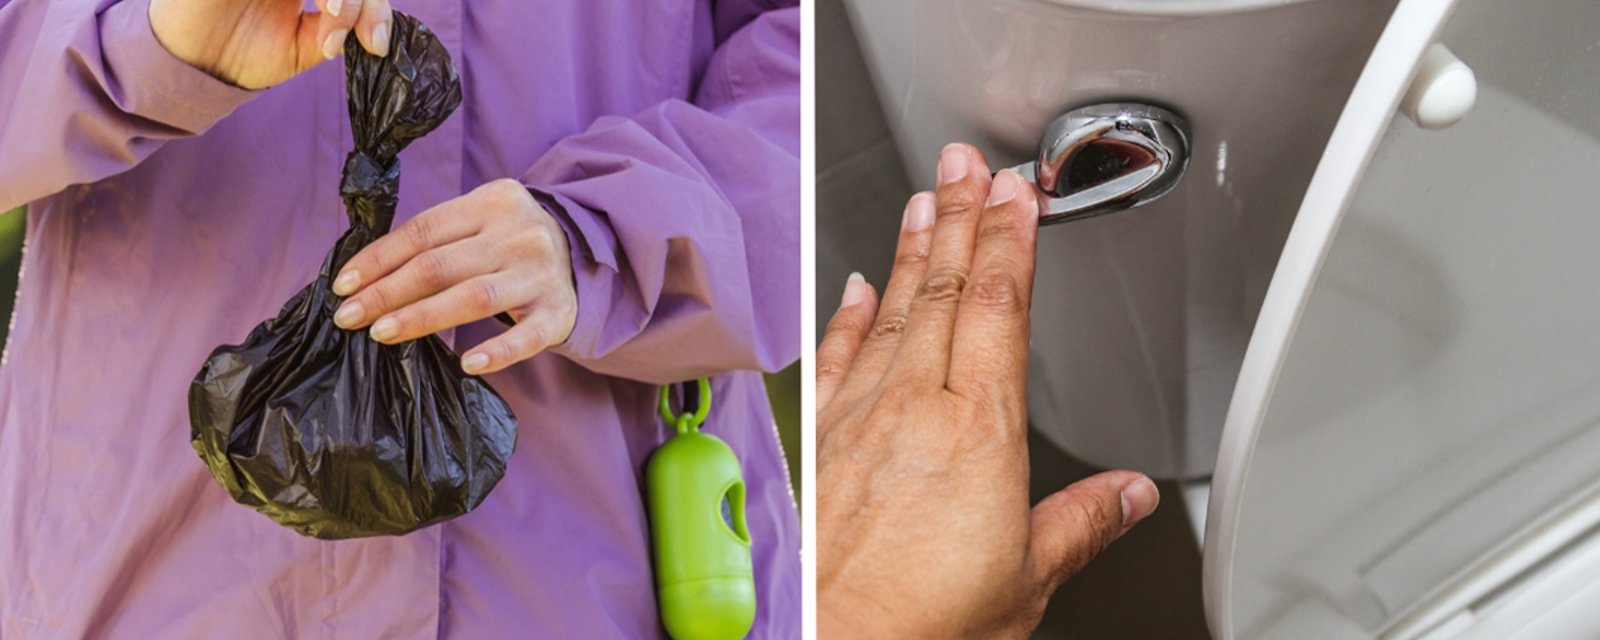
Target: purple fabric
172	212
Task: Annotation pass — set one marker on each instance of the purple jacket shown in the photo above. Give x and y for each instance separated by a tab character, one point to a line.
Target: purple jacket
172	212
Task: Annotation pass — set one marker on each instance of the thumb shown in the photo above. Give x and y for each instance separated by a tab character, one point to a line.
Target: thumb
1075	524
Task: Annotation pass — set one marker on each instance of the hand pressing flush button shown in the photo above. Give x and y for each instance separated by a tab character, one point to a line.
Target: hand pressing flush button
1443	91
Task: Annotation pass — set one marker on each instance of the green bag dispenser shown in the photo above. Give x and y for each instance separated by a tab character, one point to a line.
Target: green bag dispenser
704	581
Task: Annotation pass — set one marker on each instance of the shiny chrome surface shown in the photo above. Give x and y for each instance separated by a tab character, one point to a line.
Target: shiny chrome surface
1107	157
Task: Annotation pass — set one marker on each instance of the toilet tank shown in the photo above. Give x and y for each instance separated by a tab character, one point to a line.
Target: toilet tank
1140	318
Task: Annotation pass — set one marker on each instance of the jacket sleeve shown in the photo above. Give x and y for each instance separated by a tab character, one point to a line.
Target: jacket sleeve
87	92
685	218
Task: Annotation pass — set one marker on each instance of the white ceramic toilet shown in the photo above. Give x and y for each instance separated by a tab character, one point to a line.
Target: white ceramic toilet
1383	340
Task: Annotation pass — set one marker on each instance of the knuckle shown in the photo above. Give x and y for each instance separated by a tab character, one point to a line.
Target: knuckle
999	226
419	232
536	240
943	287
830	366
350	12
833	357
483	296
889	325
505	191
1074	558
432	269
1097	515
959	201
567	310
887	410
509	349
843	325
554	239
999	290
537	339
375	300
911	257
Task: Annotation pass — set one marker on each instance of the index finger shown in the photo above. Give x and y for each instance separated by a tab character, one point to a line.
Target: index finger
441	225
372	28
924	353
989	353
368	20
334	23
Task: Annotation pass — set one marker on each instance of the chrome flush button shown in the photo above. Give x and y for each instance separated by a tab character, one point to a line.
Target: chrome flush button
1107	157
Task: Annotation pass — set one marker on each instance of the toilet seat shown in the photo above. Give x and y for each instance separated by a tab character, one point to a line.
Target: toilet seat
1413	446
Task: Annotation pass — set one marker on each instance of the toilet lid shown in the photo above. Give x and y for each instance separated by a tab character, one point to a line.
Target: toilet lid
1413	446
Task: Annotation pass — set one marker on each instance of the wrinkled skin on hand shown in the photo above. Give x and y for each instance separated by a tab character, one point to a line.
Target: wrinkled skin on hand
924	527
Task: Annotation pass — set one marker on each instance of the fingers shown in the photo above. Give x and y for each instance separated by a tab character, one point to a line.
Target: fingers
467	301
910	260
844	335
430	272
534	333
989	350
483	253
1074	525
435	227
372	28
338	18
370	20
924	353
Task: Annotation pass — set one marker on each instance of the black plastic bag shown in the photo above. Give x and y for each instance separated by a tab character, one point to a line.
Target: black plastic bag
324	430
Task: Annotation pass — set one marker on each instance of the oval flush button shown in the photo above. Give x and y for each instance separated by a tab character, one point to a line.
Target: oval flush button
1443	91
1107	157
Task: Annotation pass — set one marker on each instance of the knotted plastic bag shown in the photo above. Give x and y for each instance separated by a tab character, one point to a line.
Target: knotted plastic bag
324	430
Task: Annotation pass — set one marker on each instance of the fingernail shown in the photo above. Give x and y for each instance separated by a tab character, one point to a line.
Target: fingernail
1139	500
854	290
919	212
385	329
333	7
335	42
346	283
349	315
952	163
474	363
380	40
1004	188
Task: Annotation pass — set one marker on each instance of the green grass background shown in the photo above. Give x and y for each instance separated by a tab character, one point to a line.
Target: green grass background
783	387
784	390
13	225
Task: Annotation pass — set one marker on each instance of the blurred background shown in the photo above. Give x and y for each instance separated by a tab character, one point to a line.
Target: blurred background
12	227
783	389
1148	584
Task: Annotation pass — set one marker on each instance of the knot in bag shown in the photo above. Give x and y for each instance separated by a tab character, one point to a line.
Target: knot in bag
324	430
